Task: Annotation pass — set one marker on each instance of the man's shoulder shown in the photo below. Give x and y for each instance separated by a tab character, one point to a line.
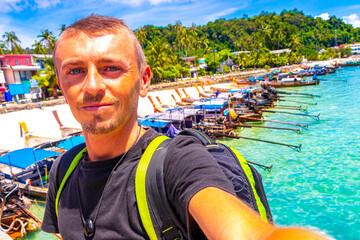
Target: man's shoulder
63	162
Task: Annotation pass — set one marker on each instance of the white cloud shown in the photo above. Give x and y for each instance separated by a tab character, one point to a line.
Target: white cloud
12	5
352	19
136	3
324	16
219	14
46	3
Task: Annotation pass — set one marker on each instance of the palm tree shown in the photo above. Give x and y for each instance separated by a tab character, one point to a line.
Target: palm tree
158	57
295	42
204	44
265	31
62	28
178	29
48	37
280	34
38	48
47	78
2	48
141	36
11	40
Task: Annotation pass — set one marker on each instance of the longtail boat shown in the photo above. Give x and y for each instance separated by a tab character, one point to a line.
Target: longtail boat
29	167
16	219
277	84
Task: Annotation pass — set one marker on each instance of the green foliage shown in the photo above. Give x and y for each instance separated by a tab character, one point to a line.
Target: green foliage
345	52
309	53
330	52
48	37
12	41
202	72
226	69
171	73
47	78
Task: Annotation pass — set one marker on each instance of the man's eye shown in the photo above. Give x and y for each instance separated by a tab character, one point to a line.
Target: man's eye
112	68
75	71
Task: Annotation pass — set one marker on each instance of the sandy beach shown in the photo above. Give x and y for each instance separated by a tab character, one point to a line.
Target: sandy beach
42	123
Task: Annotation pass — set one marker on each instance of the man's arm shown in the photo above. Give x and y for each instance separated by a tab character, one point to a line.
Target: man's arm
223	216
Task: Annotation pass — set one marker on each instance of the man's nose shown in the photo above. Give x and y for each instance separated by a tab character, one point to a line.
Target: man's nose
94	82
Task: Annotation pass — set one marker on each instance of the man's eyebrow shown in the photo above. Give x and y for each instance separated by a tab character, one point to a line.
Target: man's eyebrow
112	60
71	63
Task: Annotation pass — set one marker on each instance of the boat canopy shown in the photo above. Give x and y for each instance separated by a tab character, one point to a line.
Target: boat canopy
26	157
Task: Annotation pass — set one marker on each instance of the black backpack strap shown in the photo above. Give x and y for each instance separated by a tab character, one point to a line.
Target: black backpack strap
167	221
205	139
157	216
66	165
65	161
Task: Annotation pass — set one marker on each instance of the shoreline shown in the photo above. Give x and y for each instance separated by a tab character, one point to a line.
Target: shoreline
41	122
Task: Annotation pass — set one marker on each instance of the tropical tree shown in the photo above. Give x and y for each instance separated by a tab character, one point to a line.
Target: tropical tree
3	48
47	37
279	33
265	30
62	28
47	78
295	42
38	48
141	36
11	40
158	57
178	29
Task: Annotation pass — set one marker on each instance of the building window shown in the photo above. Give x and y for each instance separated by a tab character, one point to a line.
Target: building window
17	62
27	61
6	62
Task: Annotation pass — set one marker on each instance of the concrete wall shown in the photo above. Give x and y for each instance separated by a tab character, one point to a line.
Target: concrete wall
9	76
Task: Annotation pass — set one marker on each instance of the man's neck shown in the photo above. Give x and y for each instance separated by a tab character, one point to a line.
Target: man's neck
106	146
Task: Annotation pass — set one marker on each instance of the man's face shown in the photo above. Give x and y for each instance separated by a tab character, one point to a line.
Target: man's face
99	79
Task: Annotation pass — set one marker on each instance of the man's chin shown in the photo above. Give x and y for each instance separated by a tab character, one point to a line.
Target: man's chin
99	128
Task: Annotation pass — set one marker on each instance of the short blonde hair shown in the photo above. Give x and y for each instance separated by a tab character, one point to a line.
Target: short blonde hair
96	25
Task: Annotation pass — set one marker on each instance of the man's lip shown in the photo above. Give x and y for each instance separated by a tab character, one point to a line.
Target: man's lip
96	105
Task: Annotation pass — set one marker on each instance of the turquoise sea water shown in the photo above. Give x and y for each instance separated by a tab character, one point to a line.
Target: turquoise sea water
317	188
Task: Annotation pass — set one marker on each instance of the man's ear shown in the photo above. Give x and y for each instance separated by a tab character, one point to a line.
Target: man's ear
145	81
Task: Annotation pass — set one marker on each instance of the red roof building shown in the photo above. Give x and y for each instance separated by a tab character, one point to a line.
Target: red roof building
16	68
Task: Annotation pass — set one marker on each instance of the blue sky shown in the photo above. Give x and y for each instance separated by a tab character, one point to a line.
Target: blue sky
28	17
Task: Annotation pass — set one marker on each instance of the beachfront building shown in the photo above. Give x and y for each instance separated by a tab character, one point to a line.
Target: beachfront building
355	48
194	70
39	59
239	52
280	51
18	68
16	72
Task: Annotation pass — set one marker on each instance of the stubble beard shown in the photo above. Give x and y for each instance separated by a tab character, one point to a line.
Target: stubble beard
97	126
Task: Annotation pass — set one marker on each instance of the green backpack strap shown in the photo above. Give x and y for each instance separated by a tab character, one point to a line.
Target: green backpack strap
247	170
157	216
70	169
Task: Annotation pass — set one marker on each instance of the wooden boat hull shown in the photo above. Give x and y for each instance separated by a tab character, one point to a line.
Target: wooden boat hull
291	84
244	83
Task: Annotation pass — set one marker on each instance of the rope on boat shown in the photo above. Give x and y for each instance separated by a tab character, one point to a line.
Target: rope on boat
294	147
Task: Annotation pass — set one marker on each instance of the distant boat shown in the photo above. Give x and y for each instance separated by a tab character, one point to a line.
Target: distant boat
290	82
29	167
16	219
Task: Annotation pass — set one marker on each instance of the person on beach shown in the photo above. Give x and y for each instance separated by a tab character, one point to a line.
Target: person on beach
102	71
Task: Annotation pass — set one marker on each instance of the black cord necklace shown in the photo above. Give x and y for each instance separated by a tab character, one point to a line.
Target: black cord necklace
89	225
